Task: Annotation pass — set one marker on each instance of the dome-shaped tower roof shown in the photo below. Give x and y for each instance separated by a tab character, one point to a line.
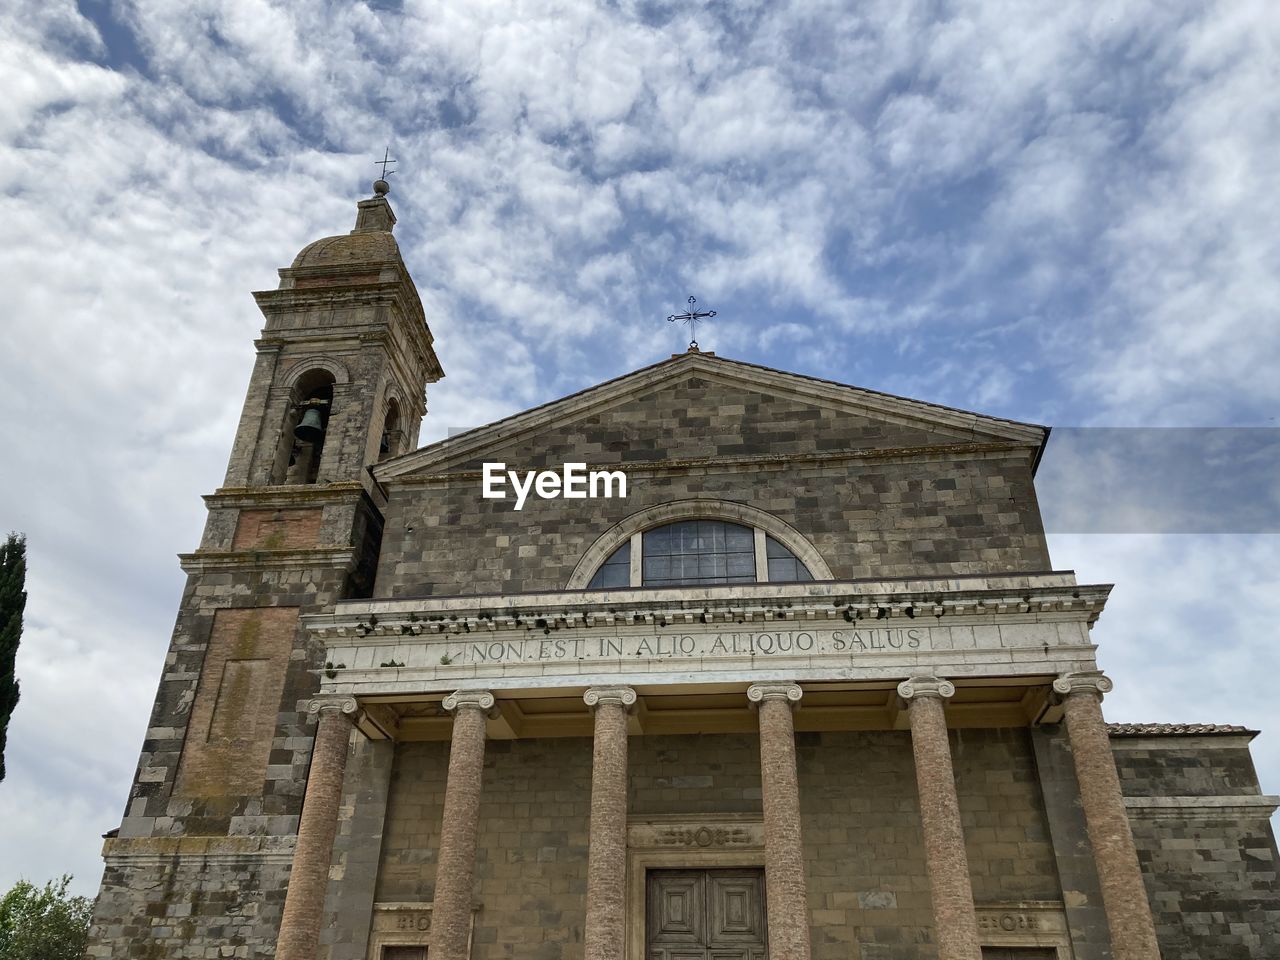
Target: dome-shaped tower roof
374	246
370	242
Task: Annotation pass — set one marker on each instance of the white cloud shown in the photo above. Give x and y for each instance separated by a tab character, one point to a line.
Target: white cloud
1189	633
1060	214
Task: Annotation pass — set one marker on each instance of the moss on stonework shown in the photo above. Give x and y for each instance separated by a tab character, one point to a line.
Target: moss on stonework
247	637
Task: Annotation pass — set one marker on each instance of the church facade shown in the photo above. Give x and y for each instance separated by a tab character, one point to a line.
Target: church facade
783	670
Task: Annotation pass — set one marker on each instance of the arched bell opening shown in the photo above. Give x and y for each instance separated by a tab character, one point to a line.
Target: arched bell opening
306	426
391	443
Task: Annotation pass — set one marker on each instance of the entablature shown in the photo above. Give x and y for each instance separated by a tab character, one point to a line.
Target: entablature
1020	625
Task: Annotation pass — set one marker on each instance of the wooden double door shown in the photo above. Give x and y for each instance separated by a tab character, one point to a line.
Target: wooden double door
705	915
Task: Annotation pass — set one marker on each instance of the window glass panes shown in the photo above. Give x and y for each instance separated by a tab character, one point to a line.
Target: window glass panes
784	566
615	572
699	551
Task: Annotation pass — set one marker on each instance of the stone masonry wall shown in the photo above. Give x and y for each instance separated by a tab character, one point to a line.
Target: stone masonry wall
868	893
919	517
1002	811
240	779
189	908
1211	876
357	850
531	861
163	804
1069	836
694	774
868	890
1185	767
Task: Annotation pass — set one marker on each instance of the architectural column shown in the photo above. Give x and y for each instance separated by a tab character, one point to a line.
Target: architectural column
954	921
785	898
299	937
1124	896
456	859
607	854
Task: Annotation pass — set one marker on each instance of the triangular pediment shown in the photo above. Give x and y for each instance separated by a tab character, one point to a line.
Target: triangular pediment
702	407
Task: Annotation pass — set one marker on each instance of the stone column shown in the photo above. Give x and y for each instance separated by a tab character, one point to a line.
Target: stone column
456	860
954	921
607	855
299	937
785	897
1124	896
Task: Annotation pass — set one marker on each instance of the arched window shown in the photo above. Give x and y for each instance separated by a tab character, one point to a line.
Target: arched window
307	420
392	436
690	552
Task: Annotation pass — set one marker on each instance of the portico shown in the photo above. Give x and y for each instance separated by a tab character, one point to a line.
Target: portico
967	653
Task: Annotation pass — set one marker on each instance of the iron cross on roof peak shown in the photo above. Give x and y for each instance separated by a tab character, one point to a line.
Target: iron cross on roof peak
691	317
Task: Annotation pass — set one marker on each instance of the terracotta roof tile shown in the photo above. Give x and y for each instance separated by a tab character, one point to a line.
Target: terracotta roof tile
1175	729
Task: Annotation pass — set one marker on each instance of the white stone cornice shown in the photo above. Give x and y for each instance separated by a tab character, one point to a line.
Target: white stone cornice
292	495
926	687
291	559
886	630
1092	682
1246	807
471	699
231	852
789	693
909	601
624	697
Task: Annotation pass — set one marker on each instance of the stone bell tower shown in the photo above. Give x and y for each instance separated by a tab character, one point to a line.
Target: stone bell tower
202	856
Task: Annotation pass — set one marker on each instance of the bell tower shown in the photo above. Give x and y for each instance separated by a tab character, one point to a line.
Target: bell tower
342	362
338	384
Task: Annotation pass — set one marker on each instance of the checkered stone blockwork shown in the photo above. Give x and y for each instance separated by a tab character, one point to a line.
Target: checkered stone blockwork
1210	863
921	514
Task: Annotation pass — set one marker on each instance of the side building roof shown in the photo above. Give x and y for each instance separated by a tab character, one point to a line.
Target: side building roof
1178	730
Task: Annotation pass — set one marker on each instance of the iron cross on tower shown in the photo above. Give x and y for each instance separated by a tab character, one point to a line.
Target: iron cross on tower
691	317
385	162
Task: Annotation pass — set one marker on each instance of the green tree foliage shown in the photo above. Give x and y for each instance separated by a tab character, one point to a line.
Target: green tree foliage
13	598
46	924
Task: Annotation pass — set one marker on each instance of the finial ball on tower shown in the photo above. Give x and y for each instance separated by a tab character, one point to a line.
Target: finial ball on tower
380	186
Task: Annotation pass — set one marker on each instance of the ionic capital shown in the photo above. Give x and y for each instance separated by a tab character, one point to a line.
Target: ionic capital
481	700
921	687
344	706
788	693
1092	682
624	697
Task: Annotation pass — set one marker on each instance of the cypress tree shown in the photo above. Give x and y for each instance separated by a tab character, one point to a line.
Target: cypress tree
13	598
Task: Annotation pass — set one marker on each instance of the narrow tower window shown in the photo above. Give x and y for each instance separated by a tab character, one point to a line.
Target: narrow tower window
392	436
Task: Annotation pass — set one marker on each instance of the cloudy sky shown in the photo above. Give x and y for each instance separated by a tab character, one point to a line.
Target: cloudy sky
1062	212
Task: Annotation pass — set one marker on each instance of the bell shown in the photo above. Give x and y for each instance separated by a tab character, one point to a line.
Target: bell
311	429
